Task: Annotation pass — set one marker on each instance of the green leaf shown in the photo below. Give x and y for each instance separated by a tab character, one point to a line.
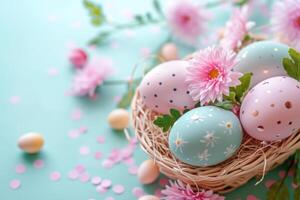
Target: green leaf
231	97
227	105
297	167
139	19
243	87
278	191
100	38
165	122
241	2
95	11
297	193
157	7
126	99
292	64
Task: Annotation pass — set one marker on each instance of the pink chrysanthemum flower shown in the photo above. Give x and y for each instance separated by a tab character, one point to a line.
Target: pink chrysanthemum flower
90	77
237	28
210	75
187	20
179	191
286	21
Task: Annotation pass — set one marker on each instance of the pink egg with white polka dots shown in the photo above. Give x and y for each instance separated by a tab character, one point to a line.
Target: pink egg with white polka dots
164	88
271	110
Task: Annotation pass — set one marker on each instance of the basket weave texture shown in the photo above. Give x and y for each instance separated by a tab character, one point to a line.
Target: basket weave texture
254	158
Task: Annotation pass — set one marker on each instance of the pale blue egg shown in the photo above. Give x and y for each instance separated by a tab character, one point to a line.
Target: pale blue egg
263	59
205	136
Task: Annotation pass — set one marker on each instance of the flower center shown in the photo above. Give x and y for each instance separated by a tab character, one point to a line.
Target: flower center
298	22
186	18
214	73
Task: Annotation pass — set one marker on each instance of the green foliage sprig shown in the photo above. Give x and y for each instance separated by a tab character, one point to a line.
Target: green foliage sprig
292	64
96	12
165	122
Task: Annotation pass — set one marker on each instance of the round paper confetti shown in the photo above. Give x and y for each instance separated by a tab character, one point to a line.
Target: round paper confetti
118	189
100	139
107	164
98	155
96	180
84	150
106	183
138	192
109	198
73	175
80	168
38	164
20	169
101	189
55	176
15	184
85	177
133	169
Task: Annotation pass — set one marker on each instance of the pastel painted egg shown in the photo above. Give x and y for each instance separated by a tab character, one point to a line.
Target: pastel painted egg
205	136
118	119
263	59
270	110
31	142
148	172
164	88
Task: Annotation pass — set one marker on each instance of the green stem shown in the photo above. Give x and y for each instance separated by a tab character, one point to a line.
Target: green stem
285	175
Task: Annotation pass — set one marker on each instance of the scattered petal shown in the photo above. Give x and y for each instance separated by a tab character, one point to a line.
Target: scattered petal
15	184
20	169
118	189
138	192
84	150
76	114
55	176
98	155
96	180
106	183
38	164
73	175
100	139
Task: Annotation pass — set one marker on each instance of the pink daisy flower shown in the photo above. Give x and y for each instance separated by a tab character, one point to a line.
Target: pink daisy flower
236	29
179	191
286	21
210	75
91	76
187	20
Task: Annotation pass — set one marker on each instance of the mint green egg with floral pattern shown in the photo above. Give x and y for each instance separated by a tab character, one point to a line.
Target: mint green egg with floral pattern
205	136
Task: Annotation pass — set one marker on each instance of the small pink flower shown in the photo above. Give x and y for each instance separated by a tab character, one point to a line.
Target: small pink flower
187	20
236	29
90	77
286	21
78	58
180	191
210	75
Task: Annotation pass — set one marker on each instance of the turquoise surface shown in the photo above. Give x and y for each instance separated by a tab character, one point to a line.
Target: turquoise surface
36	37
205	136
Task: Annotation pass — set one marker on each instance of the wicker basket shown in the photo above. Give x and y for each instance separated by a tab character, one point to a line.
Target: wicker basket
254	158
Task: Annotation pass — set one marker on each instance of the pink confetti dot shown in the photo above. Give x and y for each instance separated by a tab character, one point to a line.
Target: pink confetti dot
38	164
74	134
53	72
76	114
109	198
251	197
84	150
15	99
100	139
118	189
133	170
85	177
269	183
73	175
138	192
55	176
106	183
96	180
98	155
129	161
20	169
101	189
15	184
80	168
83	130
107	164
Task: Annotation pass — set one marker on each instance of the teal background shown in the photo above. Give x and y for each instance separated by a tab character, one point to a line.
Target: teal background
35	36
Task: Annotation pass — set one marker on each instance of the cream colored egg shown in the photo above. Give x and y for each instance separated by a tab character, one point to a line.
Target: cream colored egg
31	142
119	119
169	52
149	197
148	172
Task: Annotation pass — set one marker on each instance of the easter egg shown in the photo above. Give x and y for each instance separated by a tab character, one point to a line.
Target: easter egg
205	136
169	52
118	119
263	59
148	172
164	88
31	142
270	110
148	197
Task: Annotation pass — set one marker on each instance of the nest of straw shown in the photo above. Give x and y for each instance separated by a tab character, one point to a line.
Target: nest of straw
253	159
